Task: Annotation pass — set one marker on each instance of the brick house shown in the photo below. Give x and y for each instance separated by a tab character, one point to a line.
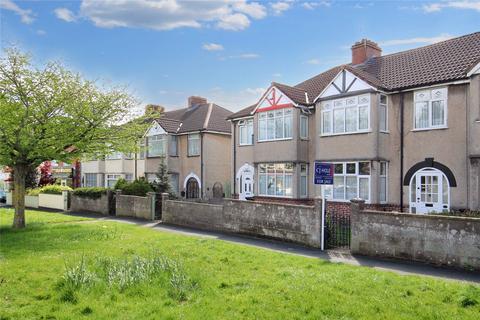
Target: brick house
403	131
194	143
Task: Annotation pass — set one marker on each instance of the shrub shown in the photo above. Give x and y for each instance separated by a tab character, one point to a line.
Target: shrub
138	187
34	192
90	192
121	183
54	189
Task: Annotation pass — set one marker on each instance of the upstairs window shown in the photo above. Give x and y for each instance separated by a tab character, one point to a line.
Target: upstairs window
156	146
348	115
173	147
275	125
245	129
114	156
194	144
431	109
303	127
383	113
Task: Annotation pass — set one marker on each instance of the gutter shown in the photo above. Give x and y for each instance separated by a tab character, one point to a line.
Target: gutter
201	166
234	158
402	122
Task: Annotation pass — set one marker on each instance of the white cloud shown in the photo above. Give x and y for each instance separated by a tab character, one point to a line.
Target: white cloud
280	7
438	6
212	47
312	5
26	15
65	14
172	14
245	56
417	40
276	75
313	61
41	32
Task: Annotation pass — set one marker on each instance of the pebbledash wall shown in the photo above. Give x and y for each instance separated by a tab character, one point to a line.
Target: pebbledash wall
100	205
135	206
441	240
295	223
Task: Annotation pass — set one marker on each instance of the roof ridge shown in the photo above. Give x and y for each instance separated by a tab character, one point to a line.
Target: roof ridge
207	116
216	105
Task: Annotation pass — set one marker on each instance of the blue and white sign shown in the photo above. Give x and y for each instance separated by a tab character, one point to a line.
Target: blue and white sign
323	173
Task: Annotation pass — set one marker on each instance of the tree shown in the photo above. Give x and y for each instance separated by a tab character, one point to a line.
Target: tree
162	183
46	176
51	113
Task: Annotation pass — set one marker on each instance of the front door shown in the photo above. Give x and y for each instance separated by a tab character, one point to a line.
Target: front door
245	182
193	189
428	194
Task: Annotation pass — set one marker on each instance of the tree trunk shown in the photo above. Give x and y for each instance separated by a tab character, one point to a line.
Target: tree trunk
19	174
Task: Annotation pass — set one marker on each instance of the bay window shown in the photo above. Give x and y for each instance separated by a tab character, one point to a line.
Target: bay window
348	115
90	180
173	146
156	146
111	180
275	179
275	125
245	128
383	182
430	109
350	180
194	144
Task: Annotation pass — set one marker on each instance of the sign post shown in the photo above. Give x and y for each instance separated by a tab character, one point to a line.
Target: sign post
323	176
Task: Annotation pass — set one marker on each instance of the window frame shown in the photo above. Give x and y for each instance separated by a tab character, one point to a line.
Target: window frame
275	173
189	144
173	141
274	121
86	180
385	105
429	100
108	178
330	188
340	106
157	138
303	175
246	125
305	127
380	177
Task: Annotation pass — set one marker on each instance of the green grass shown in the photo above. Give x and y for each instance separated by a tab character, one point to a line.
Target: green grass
64	267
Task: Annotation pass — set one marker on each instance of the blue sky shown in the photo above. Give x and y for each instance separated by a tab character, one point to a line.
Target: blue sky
226	51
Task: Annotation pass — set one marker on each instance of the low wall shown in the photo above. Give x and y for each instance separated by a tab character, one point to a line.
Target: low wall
53	201
440	240
99	205
136	207
31	201
295	223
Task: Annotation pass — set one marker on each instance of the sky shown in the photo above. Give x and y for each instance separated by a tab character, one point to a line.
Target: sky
227	51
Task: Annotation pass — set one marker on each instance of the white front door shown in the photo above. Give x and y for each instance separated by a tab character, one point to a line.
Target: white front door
245	179
429	192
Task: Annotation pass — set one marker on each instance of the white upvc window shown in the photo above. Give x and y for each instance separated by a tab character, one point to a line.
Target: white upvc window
90	180
245	129
303	127
275	125
303	180
129	177
430	109
275	179
194	144
114	156
383	113
347	115
383	183
156	146
174	182
350	180
111	180
173	146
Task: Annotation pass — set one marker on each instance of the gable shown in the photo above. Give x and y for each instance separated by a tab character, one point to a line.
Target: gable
155	129
274	99
344	82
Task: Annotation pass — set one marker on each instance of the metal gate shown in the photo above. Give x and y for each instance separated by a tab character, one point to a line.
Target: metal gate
112	203
158	206
337	229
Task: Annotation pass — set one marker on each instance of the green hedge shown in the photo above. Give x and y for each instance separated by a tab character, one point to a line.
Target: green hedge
138	187
90	192
50	189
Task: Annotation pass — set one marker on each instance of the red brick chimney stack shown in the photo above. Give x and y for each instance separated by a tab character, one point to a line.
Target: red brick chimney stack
364	50
194	100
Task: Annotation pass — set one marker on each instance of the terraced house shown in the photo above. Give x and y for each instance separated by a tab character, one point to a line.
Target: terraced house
194	143
403	131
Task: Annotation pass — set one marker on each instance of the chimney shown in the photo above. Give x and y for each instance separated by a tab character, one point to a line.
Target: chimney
153	108
194	100
364	50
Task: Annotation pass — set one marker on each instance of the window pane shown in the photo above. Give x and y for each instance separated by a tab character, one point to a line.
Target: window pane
338	168
421	115
338	188
173	145
351	168
445	190
288	185
351	119
263	168
288	124
339	120
279	125
327	122
303	127
383	189
262	129
383	99
270	126
363	188
303	186
250	132
279	189
383	117
351	185
193	144
383	168
303	168
364	168
243	134
271	185
413	189
363	118
438	113
156	146
262	184
288	167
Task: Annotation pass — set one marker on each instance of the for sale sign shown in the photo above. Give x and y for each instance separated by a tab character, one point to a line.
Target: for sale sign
323	173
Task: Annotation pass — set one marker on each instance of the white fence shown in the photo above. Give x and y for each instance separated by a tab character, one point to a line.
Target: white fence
44	200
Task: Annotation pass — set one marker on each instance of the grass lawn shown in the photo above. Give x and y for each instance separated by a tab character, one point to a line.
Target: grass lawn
64	267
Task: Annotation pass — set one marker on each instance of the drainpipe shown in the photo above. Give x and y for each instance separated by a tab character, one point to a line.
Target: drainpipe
234	160
402	121
201	166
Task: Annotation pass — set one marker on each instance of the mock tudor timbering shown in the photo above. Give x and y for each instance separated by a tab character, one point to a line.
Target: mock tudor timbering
403	131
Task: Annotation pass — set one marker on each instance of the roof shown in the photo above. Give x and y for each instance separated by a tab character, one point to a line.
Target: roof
441	62
200	117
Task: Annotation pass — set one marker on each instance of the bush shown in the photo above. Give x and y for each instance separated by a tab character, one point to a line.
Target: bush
54	189
90	192
138	187
121	183
33	192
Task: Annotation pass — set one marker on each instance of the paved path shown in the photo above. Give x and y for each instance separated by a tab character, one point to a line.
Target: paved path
399	267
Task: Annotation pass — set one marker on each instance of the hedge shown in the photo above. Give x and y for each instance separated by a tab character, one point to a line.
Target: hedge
90	192
50	189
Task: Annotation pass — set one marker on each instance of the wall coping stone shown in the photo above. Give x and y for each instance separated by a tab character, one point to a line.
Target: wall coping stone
421	216
272	203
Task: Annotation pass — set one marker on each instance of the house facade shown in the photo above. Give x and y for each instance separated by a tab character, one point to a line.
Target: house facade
401	130
194	143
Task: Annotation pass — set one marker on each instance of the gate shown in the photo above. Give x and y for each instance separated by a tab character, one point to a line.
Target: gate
158	206
337	228
112	203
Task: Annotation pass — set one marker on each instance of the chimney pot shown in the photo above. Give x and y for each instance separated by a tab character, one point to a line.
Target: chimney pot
195	100
364	50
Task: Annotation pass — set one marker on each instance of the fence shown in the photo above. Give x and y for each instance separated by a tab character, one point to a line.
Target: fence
295	223
436	239
44	200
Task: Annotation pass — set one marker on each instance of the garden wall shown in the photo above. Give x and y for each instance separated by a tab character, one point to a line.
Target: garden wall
441	240
53	201
99	205
136	207
295	223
